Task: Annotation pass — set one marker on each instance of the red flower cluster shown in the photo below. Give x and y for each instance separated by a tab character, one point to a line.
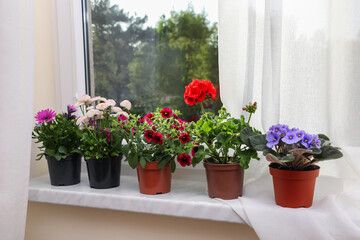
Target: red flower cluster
156	137
198	90
250	108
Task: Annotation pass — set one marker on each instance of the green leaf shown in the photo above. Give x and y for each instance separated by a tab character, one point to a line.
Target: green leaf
172	166
245	135
329	152
314	151
287	158
223	137
246	156
126	149
62	150
206	127
323	136
259	142
142	162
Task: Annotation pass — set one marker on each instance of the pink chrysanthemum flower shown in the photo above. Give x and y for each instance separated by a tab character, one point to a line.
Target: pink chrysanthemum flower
46	115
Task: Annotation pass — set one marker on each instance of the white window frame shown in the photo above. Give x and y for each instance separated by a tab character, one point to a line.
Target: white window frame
69	52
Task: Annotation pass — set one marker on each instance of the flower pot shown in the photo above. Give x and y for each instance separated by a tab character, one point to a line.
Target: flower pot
66	171
154	180
294	189
224	181
104	172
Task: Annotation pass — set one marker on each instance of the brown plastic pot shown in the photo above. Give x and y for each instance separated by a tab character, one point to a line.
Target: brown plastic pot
154	180
294	189
224	181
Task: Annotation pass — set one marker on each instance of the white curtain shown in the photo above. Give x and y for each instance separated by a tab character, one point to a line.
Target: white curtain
16	109
298	59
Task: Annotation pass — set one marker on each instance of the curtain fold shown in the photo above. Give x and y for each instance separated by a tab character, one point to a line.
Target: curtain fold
16	109
297	59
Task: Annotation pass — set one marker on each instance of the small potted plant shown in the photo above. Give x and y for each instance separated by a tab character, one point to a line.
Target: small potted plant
223	143
293	154
154	141
102	138
60	141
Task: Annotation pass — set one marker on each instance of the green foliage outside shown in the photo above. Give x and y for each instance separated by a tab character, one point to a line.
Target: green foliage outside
151	66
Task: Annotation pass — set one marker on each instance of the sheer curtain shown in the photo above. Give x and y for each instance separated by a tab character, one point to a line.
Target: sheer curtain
16	97
300	61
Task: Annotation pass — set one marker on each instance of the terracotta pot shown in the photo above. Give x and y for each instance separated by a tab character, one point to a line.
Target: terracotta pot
66	171
224	181
154	180
104	172
294	188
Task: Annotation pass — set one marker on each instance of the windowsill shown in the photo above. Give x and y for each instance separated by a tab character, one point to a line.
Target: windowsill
187	198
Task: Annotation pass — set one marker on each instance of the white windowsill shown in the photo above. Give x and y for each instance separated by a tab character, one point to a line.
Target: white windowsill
187	198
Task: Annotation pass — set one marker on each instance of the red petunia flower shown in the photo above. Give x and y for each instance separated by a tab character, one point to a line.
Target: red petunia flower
149	135
122	118
195	149
184	138
149	117
166	112
157	138
184	160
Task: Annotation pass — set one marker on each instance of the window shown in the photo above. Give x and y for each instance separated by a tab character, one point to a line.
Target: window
148	52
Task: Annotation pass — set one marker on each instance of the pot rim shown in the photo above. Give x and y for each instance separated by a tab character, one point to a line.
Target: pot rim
152	166
296	175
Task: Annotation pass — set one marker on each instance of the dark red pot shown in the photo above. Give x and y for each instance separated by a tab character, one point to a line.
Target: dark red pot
224	181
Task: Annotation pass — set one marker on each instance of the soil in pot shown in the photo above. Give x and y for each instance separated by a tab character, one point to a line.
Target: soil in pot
104	172
154	180
224	181
294	189
66	171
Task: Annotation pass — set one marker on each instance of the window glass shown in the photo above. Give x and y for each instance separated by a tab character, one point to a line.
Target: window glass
148	51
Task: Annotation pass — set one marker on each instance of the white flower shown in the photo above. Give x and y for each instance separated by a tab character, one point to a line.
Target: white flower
89	108
84	98
102	99
102	106
90	101
116	109
79	104
96	98
93	112
80	120
99	117
126	104
110	102
125	114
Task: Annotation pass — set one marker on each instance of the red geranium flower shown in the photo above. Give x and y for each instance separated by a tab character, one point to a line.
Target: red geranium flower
166	112
198	90
190	100
149	135
184	138
157	138
184	160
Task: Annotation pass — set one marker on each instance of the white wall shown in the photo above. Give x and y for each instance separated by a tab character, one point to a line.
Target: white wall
52	222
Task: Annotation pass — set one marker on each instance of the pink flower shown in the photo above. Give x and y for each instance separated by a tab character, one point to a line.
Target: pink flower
46	115
157	138
126	104
122	118
102	106
184	160
166	112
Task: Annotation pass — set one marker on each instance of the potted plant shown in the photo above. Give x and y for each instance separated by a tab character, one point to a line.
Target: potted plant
102	137
60	141
223	143
293	154
154	141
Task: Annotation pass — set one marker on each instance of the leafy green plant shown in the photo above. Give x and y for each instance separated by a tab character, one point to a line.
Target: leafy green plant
294	149
224	139
160	137
101	126
58	134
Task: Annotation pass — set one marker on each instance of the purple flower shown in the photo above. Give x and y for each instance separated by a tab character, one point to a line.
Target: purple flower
46	115
290	138
316	141
272	139
300	134
306	141
71	109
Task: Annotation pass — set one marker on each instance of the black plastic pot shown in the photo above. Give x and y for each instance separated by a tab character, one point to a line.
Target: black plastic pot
66	171
104	172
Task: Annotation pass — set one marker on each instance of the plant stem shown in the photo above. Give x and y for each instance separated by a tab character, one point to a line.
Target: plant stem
202	108
249	118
